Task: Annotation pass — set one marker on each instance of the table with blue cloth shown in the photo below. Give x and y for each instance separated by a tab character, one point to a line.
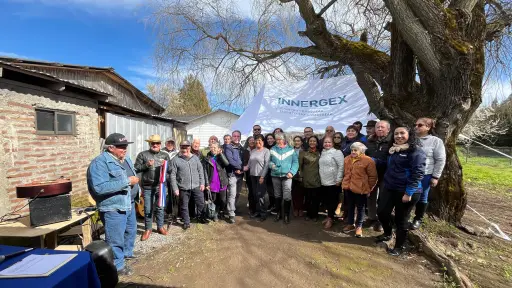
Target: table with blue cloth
78	272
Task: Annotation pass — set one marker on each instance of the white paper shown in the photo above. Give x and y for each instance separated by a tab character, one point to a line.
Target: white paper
36	265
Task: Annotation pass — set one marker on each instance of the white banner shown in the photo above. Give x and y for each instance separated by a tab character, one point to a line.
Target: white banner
337	101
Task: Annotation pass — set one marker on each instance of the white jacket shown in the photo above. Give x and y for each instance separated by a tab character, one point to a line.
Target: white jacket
331	167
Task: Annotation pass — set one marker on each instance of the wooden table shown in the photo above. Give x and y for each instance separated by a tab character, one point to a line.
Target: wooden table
47	234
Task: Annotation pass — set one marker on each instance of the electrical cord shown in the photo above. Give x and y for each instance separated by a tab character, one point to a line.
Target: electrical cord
2	219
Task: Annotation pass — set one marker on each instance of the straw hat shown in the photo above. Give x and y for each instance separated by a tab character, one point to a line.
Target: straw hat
154	138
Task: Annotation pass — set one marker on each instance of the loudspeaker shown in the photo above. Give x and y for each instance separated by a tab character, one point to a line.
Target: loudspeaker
50	209
103	258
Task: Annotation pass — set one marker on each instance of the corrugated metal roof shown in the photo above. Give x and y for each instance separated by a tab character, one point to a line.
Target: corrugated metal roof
19	63
195	117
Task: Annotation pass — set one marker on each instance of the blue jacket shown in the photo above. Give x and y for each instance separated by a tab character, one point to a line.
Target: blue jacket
108	184
283	161
233	155
405	171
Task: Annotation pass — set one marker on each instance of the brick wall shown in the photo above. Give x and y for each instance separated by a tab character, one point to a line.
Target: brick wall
27	157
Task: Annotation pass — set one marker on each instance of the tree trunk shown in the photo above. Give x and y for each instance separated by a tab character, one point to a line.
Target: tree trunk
448	200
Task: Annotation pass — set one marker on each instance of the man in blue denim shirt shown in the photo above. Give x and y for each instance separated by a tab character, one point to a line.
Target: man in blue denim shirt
112	183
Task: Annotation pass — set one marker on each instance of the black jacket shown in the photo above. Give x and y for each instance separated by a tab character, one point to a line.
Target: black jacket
150	176
222	163
378	150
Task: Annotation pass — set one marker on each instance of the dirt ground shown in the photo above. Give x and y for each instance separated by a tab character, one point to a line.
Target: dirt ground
268	254
485	259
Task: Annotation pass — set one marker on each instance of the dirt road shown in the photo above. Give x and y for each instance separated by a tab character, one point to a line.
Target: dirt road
268	254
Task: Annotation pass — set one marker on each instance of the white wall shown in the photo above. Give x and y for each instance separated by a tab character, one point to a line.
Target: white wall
218	124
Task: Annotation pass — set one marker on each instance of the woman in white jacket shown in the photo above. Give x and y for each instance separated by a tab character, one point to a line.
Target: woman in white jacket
436	159
331	175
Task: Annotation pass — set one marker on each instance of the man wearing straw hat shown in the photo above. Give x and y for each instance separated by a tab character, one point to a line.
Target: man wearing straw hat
153	165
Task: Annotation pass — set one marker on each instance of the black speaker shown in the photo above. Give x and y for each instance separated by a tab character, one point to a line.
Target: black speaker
50	209
103	258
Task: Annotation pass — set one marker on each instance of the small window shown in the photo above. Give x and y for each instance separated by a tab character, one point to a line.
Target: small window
55	122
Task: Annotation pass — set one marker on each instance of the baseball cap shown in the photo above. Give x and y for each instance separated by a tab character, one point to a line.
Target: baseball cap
116	139
169	139
371	123
185	143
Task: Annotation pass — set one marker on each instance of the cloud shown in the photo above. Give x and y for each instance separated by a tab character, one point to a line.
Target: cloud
31	8
12	55
143	71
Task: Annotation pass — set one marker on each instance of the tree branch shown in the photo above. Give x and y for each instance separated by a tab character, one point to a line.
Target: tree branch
322	11
463	5
503	20
415	35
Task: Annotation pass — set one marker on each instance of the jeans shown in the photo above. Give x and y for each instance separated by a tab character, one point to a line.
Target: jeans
297	195
330	199
131	232
115	225
425	183
356	201
231	195
313	201
150	199
402	214
185	196
282	188
258	191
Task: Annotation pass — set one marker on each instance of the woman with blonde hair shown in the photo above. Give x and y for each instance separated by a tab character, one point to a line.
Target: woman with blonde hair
358	182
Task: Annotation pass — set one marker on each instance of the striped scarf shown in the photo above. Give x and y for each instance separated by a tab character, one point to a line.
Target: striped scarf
163	183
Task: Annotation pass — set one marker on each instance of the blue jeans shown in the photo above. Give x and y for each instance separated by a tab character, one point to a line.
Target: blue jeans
425	183
150	199
116	230
131	232
356	201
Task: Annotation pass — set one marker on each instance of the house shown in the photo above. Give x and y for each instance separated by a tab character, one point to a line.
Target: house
216	123
54	116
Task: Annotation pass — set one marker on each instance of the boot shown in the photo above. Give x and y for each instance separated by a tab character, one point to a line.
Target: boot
277	209
162	231
421	208
287	206
145	235
271	204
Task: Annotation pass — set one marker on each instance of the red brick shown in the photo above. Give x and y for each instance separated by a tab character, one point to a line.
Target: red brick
11	103
21	162
24	174
15	183
25	119
13	170
24	149
31	167
31	155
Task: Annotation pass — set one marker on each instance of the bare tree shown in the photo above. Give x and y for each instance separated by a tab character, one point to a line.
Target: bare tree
484	124
428	57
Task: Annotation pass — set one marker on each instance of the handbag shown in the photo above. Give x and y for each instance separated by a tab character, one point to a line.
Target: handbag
210	212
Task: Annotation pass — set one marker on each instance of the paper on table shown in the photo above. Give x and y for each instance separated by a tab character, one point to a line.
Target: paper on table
36	266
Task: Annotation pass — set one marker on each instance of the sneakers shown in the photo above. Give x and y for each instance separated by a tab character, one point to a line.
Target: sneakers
348	228
126	271
231	220
396	251
415	225
359	232
383	238
328	223
186	226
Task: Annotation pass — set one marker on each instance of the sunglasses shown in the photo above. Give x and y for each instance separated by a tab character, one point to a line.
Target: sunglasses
329	130
156	143
308	131
255	129
122	147
419	125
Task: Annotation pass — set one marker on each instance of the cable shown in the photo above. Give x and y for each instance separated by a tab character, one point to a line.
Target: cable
19	209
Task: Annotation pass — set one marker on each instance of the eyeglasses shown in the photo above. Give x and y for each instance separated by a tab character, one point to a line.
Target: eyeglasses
419	125
337	137
122	147
329	130
156	143
256	129
308	131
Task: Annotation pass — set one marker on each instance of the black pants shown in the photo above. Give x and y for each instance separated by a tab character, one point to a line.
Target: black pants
250	196
185	197
330	199
259	191
220	200
313	201
270	190
402	214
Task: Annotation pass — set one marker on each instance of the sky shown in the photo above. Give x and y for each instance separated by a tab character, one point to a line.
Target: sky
104	33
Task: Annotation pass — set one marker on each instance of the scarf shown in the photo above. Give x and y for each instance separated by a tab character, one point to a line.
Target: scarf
312	150
398	148
162	183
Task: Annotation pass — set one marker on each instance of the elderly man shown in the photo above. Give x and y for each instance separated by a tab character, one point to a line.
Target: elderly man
244	157
308	132
187	178
170	147
195	148
112	183
148	164
370	129
378	147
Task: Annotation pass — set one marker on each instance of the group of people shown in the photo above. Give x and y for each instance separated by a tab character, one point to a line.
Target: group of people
376	173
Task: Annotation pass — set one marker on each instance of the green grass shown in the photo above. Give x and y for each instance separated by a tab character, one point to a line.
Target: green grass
487	172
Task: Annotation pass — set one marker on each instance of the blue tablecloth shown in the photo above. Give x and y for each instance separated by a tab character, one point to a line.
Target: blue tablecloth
79	272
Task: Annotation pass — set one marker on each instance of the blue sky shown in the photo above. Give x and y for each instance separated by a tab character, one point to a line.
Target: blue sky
105	33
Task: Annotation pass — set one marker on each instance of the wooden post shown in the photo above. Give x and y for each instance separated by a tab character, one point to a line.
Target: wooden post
86	232
50	240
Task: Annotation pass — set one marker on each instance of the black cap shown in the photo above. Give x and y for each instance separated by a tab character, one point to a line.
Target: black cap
371	123
185	143
116	139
